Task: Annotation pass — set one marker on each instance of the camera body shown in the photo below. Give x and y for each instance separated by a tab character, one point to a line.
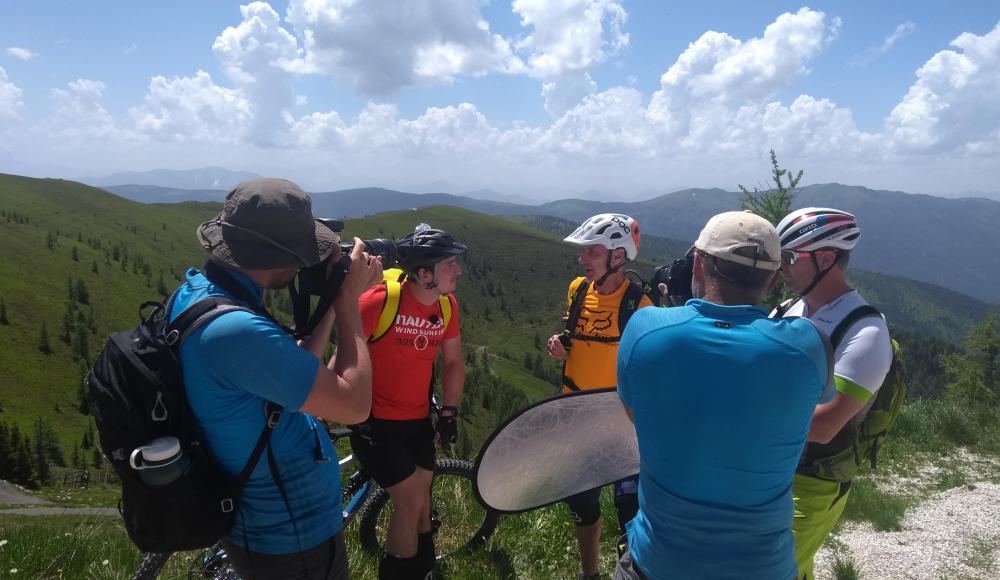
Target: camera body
320	279
677	276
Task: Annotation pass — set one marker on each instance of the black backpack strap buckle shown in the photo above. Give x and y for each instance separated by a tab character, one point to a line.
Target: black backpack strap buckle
273	414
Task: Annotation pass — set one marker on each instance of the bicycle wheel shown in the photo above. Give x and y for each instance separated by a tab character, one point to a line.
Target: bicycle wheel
150	565
460	522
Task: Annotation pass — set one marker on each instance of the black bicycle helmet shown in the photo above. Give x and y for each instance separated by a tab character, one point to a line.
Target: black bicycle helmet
425	247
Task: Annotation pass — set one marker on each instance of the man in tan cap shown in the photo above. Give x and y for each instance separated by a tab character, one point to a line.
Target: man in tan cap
289	514
721	396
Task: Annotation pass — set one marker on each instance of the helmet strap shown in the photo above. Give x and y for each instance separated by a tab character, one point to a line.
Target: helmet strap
820	274
608	269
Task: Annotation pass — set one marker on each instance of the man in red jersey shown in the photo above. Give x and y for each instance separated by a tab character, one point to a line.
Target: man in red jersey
408	324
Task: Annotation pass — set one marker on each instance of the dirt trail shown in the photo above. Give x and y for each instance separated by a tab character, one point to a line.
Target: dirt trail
952	534
11	495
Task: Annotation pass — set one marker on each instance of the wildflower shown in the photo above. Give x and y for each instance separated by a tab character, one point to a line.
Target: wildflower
3	543
13	570
106	562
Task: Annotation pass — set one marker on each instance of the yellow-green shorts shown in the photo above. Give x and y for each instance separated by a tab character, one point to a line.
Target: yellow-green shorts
819	503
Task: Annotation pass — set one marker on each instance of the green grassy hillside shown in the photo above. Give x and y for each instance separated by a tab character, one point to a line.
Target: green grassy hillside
77	261
57	233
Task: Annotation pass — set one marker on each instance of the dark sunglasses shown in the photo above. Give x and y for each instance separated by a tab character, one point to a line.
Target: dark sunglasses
790	257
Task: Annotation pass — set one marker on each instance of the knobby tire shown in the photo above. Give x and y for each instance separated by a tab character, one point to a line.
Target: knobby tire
456	480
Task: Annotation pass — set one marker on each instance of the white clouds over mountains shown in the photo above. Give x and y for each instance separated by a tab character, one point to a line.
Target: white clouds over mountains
717	104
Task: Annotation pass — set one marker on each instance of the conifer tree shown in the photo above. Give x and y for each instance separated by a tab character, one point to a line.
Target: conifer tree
975	372
81	293
5	454
773	204
81	342
67	326
43	341
75	254
3	313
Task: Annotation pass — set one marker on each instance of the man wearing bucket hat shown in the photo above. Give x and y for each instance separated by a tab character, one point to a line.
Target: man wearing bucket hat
721	397
289	517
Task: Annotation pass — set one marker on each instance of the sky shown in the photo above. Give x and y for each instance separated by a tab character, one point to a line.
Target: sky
538	98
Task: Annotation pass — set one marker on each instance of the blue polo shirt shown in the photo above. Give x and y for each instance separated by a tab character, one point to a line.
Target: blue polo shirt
231	365
722	398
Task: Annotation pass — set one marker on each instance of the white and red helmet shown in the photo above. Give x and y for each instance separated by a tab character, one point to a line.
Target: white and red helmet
813	228
611	230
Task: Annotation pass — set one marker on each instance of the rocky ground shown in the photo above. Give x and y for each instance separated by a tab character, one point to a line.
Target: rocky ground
953	534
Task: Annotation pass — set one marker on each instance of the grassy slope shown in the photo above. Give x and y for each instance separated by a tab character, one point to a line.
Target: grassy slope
33	281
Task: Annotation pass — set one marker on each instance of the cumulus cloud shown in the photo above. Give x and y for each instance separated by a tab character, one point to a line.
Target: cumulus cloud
255	55
564	92
567	38
382	47
872	53
952	105
192	108
10	97
570	35
78	114
24	54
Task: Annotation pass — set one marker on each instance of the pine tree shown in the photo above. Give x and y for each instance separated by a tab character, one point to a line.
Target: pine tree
77	458
75	254
82	400
81	293
975	372
98	458
774	203
43	467
3	313
6	459
93	267
44	346
81	342
50	241
67	327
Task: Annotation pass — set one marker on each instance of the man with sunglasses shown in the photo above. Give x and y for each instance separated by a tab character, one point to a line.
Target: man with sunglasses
721	397
816	247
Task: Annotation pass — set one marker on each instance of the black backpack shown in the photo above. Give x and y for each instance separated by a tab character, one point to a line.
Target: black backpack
137	395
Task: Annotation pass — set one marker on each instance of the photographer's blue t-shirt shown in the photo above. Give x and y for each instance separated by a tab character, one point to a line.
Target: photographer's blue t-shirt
722	398
231	366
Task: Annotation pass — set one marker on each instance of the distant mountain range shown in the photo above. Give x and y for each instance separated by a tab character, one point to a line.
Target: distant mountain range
948	242
204	178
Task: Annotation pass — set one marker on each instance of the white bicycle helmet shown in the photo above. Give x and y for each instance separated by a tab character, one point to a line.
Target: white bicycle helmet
812	228
611	230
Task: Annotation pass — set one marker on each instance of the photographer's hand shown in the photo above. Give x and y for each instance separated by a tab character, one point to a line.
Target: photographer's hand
365	271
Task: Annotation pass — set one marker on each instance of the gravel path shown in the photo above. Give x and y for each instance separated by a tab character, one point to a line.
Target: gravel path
11	494
953	534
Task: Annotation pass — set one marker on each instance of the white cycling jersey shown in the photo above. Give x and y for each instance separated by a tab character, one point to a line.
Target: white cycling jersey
863	357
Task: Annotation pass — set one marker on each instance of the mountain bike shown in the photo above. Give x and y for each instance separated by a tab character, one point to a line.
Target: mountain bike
458	520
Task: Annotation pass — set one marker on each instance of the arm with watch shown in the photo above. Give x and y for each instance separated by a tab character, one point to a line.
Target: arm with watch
452	383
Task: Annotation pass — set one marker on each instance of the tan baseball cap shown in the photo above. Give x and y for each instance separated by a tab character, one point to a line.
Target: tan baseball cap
730	231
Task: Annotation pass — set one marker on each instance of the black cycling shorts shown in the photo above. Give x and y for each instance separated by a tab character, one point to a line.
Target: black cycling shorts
585	507
392	450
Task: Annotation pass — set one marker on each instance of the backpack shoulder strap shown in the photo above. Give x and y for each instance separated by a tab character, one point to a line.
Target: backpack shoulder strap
393	289
853	316
629	304
576	304
445	303
196	315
